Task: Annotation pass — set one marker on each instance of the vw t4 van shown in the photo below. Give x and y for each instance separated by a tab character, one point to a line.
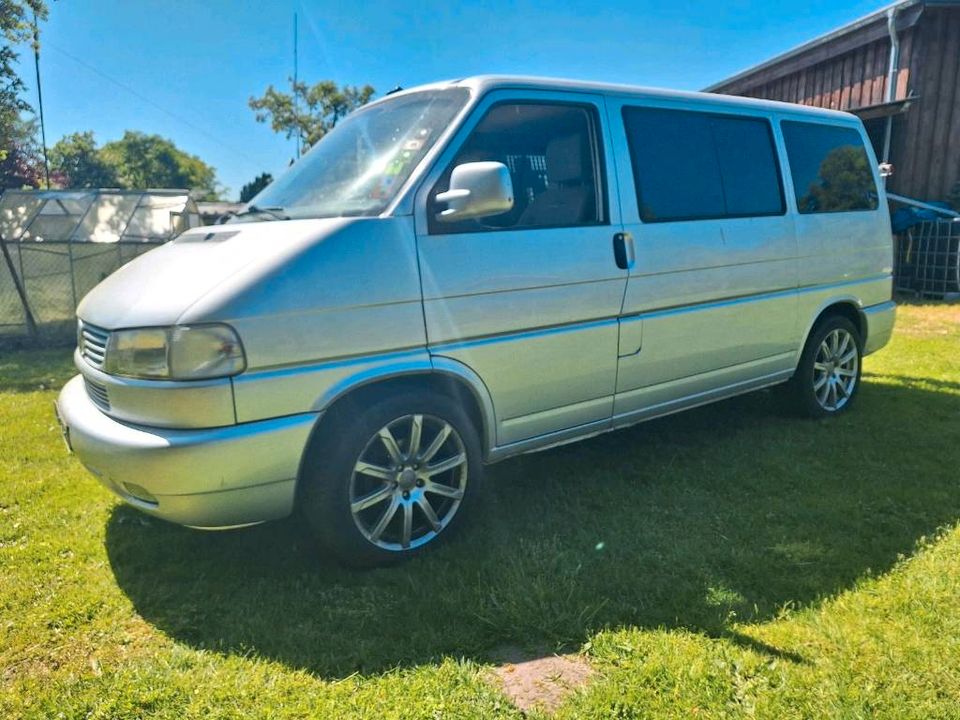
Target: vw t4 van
465	271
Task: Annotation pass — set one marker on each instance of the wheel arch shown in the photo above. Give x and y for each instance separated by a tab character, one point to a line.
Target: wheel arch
440	375
849	307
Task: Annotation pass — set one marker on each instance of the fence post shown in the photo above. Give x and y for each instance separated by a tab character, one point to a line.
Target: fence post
27	314
73	276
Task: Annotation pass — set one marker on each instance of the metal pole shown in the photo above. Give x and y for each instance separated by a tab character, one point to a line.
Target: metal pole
925	206
43	128
73	276
296	100
72	239
17	283
893	72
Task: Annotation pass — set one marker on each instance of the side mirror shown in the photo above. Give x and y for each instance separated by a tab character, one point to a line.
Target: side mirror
477	189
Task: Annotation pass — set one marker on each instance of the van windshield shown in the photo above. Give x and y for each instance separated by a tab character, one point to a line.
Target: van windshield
358	167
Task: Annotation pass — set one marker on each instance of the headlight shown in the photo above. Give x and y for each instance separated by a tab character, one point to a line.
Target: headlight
188	352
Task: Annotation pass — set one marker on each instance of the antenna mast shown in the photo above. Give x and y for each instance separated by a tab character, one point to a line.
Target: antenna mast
43	129
296	99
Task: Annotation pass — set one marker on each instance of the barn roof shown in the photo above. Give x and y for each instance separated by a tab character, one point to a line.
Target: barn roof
866	28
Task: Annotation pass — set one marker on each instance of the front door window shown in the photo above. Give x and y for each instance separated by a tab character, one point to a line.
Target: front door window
550	150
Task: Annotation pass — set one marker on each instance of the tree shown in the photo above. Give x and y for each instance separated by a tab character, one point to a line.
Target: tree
78	163
317	110
843	182
149	161
249	191
20	162
16	26
16	151
135	161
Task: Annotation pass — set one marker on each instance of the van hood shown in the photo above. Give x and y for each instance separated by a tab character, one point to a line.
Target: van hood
159	287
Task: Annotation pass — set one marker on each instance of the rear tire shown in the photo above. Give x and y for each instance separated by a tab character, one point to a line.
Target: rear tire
828	375
386	482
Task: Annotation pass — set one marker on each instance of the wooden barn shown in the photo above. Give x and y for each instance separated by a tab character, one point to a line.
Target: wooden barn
898	69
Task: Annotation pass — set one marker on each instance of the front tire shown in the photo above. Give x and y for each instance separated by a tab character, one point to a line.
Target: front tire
828	376
386	482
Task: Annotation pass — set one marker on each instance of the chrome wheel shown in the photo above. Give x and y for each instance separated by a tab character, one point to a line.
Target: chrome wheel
835	369
408	482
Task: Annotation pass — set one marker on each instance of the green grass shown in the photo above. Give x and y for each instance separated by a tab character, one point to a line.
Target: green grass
727	562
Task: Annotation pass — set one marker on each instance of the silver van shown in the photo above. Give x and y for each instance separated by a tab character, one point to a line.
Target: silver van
465	271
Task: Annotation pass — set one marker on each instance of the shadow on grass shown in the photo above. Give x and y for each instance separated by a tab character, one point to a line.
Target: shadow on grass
32	370
913	382
722	514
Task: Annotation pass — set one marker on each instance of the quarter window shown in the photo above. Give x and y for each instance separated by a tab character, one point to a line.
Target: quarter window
551	152
830	168
694	166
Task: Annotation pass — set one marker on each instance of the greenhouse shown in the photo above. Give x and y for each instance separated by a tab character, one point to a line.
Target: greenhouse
58	244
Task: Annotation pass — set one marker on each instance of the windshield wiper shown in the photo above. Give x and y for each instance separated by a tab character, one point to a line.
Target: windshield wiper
276	213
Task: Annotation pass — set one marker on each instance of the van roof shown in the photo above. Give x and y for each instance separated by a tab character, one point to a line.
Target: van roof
484	83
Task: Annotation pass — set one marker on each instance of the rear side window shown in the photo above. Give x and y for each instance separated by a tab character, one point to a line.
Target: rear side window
748	166
695	166
830	168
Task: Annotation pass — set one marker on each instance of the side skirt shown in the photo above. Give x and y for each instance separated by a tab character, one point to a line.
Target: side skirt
582	432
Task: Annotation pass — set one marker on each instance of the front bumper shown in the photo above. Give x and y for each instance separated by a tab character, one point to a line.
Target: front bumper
214	477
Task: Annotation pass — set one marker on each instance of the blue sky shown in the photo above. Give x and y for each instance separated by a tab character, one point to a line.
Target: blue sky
186	69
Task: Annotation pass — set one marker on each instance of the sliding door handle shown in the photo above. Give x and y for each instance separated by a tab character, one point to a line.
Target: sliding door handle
623	251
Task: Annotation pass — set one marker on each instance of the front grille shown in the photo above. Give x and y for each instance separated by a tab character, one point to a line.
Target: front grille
93	344
97	393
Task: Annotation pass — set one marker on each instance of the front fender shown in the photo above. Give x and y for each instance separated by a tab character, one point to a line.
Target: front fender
481	393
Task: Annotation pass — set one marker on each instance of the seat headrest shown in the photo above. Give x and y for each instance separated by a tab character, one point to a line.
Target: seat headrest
474	156
564	162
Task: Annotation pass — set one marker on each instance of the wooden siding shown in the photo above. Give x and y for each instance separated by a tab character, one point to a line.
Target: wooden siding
846	82
850	73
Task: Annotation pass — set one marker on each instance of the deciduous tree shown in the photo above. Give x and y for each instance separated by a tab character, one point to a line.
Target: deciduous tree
309	111
17	160
844	175
77	163
149	161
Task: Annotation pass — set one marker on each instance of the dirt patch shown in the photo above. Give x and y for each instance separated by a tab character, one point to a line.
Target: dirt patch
539	680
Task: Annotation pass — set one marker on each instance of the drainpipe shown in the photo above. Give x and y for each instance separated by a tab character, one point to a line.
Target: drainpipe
893	70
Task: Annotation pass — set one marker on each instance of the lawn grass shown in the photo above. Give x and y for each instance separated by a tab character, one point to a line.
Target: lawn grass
731	561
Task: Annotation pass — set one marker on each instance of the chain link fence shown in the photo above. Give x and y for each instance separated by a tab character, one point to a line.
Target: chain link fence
57	245
54	277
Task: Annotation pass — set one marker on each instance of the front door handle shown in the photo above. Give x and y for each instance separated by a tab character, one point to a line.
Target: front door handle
623	251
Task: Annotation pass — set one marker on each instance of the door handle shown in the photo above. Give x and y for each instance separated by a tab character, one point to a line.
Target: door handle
623	250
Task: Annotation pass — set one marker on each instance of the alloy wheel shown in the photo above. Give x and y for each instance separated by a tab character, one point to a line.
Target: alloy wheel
835	369
408	482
